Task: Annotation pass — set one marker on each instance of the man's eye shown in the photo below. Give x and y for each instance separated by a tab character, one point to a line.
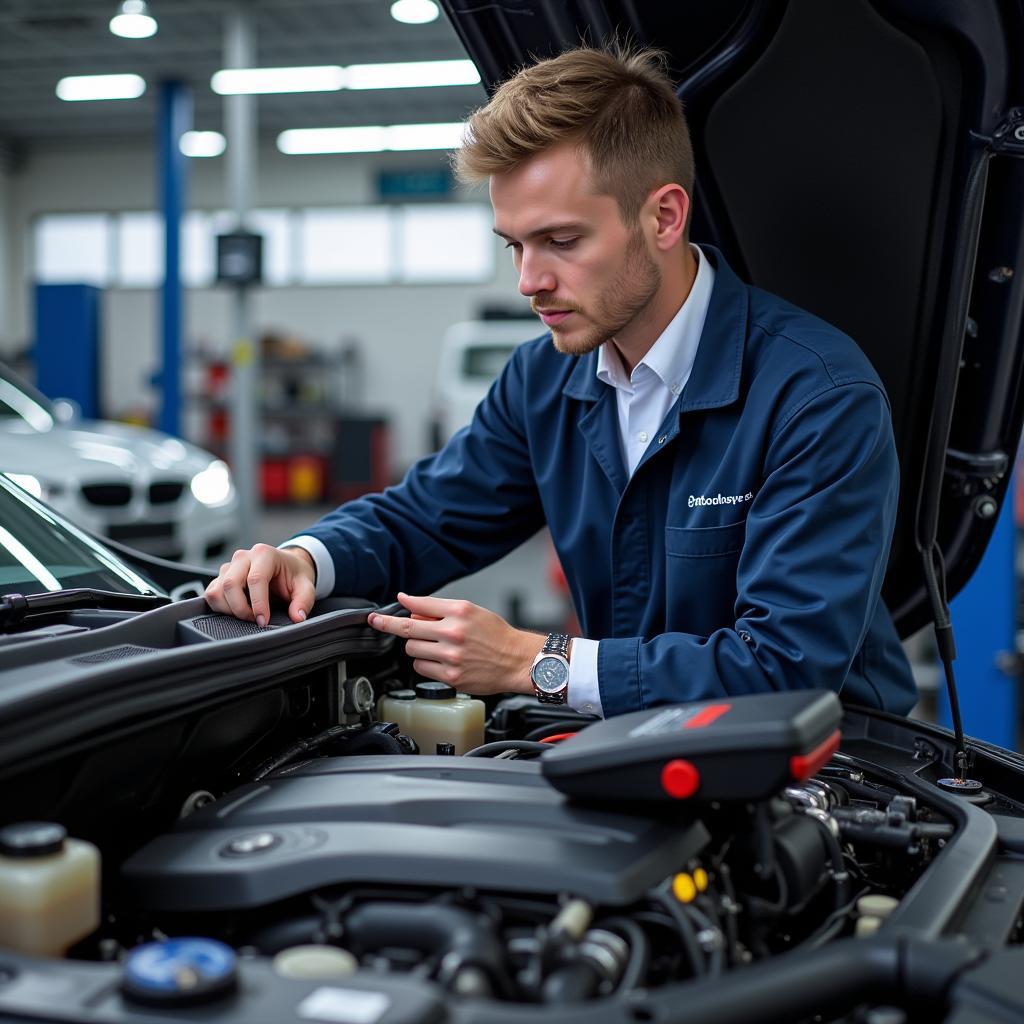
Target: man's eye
511	245
564	243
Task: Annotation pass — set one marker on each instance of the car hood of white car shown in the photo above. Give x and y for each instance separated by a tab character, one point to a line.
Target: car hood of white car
90	451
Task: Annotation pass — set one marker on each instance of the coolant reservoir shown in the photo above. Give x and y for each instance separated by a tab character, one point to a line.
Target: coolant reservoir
441	715
396	707
49	888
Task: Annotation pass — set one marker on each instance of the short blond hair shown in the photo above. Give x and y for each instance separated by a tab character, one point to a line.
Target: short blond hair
617	105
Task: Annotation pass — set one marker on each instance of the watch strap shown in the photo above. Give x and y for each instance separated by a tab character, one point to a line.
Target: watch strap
557	643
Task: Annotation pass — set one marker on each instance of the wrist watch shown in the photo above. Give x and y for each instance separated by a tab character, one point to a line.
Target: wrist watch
550	670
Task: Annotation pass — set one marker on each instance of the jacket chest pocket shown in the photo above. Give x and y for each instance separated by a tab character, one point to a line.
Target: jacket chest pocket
700	577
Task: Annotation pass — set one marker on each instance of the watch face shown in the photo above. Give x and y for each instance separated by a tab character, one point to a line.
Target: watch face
550	674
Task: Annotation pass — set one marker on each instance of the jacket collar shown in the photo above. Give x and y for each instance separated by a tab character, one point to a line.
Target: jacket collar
715	380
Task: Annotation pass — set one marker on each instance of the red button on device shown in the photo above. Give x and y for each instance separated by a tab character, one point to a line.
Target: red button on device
680	779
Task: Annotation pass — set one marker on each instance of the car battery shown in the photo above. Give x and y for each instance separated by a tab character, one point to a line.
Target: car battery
735	749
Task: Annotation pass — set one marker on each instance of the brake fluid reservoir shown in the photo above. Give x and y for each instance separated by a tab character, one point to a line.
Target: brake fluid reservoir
441	715
49	888
396	707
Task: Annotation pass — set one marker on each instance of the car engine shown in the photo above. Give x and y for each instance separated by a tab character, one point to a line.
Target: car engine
552	876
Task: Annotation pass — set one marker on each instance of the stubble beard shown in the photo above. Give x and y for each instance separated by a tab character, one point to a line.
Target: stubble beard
626	298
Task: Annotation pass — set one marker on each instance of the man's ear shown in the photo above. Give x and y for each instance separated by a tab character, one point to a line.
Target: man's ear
669	206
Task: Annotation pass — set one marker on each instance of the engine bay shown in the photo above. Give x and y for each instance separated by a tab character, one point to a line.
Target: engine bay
259	847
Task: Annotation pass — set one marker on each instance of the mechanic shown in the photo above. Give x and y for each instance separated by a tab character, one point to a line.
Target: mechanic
716	467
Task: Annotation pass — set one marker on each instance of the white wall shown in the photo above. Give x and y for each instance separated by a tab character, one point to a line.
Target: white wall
398	327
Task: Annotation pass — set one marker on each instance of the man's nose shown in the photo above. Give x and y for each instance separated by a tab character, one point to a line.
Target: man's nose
534	276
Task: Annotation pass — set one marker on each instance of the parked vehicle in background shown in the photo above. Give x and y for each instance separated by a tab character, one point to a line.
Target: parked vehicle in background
472	355
137	486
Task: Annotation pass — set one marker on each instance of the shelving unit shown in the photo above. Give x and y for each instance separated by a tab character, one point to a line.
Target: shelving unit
316	442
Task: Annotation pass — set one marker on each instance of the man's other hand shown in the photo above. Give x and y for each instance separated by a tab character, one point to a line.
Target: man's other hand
464	645
245	584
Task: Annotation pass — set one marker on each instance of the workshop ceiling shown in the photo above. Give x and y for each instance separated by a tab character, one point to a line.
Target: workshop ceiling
42	41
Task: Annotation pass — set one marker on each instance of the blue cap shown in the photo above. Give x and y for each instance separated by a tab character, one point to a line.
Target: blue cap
179	971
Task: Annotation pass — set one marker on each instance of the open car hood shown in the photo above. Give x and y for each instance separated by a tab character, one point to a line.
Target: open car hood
862	160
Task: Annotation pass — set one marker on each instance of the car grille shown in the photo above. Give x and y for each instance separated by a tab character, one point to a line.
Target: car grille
112	654
224	627
163	492
107	495
139	531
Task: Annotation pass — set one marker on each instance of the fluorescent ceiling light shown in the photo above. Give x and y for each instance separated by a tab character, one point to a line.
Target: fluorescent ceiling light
414	12
133	20
202	144
236	81
371	138
101	87
425	136
411	75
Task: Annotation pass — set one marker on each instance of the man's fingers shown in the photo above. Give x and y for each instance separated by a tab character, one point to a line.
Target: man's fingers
232	586
430	607
420	629
303	595
264	566
431	670
431	650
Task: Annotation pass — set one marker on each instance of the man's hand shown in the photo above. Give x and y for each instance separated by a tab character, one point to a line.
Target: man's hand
245	584
463	645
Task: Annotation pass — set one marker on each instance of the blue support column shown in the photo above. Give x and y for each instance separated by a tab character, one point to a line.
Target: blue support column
984	618
175	119
67	344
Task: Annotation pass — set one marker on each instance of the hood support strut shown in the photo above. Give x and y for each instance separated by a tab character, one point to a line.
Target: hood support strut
1007	139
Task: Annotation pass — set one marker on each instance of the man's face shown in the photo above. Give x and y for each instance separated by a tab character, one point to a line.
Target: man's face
587	275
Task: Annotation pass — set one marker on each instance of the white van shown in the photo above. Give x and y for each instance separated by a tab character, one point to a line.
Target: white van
472	355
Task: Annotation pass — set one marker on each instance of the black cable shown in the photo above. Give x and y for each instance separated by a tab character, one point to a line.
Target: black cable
714	951
554	728
523	746
684	927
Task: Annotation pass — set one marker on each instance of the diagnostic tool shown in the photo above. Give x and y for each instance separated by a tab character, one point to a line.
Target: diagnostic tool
739	748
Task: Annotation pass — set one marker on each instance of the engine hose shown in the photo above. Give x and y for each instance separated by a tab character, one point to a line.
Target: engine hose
639	951
553	728
826	982
840	875
571	983
523	746
684	927
715	954
459	938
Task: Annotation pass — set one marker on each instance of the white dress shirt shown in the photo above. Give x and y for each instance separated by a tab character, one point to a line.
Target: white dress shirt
644	399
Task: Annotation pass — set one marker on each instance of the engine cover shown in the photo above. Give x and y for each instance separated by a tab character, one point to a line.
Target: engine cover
431	821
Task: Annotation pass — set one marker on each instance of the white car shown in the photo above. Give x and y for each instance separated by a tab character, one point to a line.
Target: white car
472	355
136	486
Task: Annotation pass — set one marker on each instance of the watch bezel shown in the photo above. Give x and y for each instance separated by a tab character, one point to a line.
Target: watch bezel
541	658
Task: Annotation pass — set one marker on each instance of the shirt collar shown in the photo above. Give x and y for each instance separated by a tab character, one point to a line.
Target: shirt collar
671	357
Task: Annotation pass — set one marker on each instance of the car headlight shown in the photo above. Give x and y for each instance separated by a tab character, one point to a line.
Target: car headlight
212	486
27	482
45	490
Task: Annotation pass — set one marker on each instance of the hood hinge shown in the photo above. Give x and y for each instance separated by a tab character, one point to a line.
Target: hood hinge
1008	138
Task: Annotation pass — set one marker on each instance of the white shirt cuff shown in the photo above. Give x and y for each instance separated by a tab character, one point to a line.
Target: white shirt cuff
324	563
584	692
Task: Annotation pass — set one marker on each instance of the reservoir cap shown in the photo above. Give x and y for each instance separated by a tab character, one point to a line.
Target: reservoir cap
403	694
184	970
32	839
435	691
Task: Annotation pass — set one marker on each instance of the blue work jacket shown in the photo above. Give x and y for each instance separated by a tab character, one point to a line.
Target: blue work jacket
746	552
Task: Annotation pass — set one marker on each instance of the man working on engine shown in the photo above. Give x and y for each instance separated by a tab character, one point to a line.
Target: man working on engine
716	467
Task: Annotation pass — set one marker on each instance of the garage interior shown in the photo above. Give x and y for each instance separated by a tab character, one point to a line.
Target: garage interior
367	258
